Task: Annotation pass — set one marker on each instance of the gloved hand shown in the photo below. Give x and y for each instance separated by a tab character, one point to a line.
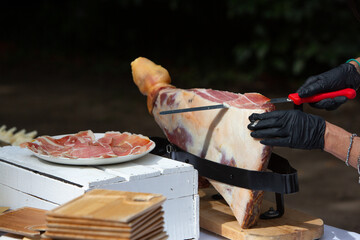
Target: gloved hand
343	76
288	128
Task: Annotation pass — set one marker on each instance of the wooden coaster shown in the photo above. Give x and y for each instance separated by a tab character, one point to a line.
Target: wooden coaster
150	234
146	235
57	235
159	224
17	237
160	236
22	220
216	216
146	227
107	205
98	223
12	236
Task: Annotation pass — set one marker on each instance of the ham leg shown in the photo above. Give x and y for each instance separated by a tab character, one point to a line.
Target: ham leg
219	135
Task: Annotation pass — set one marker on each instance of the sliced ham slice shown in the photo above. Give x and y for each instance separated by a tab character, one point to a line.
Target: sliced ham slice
84	145
92	150
128	144
219	135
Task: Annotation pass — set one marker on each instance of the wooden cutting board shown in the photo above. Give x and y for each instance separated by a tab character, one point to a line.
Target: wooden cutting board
216	216
107	205
83	227
153	224
24	221
111	224
105	214
149	234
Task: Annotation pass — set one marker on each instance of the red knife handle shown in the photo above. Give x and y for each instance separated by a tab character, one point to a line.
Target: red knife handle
347	92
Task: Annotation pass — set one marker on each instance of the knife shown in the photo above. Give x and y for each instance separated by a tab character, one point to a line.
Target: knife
293	97
223	105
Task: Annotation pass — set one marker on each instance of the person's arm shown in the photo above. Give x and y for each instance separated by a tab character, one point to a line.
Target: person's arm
296	129
337	142
356	65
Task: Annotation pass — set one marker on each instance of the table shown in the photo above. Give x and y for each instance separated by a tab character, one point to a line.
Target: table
149	167
22	174
330	233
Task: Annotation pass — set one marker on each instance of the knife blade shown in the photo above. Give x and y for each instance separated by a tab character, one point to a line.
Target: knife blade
293	97
224	105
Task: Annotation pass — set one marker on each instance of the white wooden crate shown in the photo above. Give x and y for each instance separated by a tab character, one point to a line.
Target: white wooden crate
25	180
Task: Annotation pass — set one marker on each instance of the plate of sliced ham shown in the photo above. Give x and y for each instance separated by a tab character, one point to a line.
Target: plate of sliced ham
88	148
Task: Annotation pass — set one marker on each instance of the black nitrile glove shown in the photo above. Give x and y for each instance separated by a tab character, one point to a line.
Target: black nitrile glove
288	128
343	76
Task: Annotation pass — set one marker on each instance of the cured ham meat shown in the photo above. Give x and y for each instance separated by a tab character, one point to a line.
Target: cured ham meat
219	135
84	145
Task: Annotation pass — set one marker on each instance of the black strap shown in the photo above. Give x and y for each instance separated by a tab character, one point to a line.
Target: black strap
283	178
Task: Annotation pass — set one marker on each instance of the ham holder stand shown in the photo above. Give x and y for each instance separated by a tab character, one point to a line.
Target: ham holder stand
282	180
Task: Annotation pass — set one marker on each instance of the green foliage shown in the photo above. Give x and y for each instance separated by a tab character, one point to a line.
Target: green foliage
206	43
294	37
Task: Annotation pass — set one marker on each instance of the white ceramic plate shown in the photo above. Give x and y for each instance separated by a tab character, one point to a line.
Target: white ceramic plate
92	161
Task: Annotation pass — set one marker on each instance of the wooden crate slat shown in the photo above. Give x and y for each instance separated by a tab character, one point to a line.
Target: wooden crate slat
185	209
165	165
130	171
38	185
15	199
82	175
171	186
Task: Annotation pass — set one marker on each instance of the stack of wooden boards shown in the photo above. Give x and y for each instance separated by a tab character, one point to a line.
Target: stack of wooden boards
98	214
26	222
110	215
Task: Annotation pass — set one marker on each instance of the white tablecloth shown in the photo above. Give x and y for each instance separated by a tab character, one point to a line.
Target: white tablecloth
330	233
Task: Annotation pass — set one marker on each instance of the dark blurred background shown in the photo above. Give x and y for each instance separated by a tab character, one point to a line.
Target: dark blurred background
65	67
